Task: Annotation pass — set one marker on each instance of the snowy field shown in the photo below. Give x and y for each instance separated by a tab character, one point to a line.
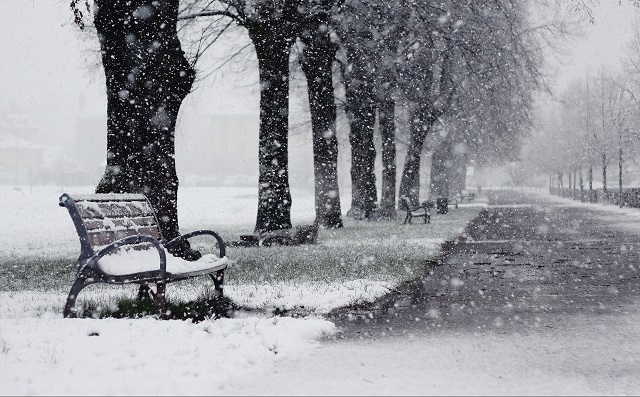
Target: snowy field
256	353
42	353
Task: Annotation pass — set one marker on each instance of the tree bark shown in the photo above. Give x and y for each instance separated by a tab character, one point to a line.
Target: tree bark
604	173
570	186
459	172
147	78
592	198
361	109
317	61
421	123
272	47
441	169
620	165
581	185
386	121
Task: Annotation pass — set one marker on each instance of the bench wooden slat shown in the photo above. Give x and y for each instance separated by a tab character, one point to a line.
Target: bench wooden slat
99	210
103	238
119	223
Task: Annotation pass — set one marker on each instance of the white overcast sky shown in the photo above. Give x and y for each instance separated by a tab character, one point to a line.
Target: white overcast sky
43	74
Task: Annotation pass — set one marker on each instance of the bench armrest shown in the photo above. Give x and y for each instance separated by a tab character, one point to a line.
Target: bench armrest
221	244
131	240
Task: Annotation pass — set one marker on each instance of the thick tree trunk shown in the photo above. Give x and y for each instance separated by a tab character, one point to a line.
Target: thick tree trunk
570	186
459	172
561	184
386	121
147	78
441	170
421	124
581	185
361	109
317	61
274	196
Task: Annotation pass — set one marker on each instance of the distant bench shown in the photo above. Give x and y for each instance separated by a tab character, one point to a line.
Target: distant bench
421	211
469	196
120	243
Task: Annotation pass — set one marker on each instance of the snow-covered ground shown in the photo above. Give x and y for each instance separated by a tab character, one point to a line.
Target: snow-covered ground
42	353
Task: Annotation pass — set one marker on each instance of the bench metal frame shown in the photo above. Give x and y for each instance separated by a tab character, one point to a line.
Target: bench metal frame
421	211
88	272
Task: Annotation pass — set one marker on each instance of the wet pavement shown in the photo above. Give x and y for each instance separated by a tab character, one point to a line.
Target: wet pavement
525	262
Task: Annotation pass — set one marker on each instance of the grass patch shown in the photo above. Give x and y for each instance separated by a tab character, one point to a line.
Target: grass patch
46	274
373	250
385	252
206	306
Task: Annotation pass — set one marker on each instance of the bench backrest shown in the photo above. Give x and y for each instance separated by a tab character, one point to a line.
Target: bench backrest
101	219
404	203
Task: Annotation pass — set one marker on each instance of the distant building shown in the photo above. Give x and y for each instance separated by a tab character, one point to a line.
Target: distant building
21	160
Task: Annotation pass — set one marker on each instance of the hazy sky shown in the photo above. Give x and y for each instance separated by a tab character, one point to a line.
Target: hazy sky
43	72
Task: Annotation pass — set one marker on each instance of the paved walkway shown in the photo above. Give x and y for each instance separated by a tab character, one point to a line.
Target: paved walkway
519	262
538	298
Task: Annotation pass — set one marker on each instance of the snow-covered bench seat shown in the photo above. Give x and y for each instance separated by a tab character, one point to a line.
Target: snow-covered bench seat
120	243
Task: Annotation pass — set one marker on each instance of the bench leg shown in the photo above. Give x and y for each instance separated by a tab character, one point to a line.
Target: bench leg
158	298
218	282
144	292
70	306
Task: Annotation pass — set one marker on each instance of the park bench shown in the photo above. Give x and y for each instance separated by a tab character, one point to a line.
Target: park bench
121	243
421	211
465	195
442	204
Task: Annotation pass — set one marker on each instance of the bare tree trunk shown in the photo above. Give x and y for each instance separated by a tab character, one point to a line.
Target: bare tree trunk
147	78
620	165
272	47
386	121
317	62
421	123
361	109
592	198
570	189
604	173
458	172
441	175
581	186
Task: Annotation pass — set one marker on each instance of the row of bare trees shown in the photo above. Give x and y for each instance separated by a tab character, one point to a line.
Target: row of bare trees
596	124
466	70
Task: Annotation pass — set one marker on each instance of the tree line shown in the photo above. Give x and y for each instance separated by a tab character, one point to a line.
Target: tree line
594	128
465	71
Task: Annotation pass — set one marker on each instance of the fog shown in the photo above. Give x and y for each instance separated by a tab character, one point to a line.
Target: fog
52	102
